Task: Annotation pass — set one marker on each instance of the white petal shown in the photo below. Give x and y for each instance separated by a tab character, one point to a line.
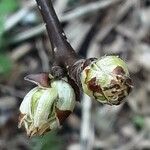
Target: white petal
44	106
66	100
25	107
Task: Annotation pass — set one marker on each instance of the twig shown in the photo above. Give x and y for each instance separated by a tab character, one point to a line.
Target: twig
74	14
135	37
115	19
35	31
88	9
86	128
42	55
60	6
11	91
62	50
20	51
65	60
133	142
15	18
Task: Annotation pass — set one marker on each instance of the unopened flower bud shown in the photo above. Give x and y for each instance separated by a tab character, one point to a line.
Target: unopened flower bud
45	109
107	80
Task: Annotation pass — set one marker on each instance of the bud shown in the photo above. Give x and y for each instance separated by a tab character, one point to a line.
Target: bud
107	80
45	109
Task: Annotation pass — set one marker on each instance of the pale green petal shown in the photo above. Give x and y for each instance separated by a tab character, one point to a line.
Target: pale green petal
66	95
35	99
109	63
25	107
44	106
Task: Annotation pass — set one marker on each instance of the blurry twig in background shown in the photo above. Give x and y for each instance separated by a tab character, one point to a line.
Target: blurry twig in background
115	19
134	141
16	17
42	55
11	91
87	9
60	6
20	51
74	14
86	133
87	129
30	33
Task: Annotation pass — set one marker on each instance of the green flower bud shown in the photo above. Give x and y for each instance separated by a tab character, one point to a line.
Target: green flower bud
107	80
45	109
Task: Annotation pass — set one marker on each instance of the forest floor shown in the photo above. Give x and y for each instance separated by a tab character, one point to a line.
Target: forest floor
94	28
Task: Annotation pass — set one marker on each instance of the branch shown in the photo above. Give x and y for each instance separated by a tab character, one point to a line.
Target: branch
106	79
61	48
91	75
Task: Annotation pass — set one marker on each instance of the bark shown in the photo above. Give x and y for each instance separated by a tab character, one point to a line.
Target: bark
63	52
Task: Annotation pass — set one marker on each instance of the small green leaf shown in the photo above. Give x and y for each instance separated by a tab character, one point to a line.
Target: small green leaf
5	64
138	122
50	141
7	6
2	19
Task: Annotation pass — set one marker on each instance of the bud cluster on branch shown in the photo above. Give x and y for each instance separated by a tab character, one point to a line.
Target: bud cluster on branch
45	108
48	105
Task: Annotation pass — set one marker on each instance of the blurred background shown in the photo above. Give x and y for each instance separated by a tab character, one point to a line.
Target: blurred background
94	28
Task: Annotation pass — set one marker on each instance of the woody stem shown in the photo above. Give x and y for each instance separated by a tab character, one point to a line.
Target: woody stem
62	51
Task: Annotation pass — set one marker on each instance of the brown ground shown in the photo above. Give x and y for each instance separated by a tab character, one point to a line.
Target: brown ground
120	27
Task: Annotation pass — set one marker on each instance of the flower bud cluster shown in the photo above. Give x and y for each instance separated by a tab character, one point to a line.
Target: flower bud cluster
107	80
45	108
